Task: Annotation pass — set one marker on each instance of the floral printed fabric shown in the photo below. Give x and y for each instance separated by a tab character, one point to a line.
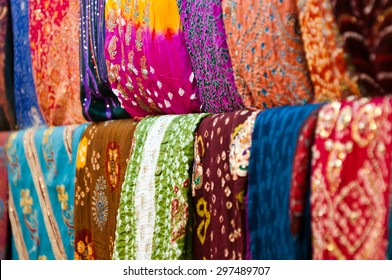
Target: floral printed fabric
206	42
153	219
219	185
147	60
4	220
54	43
267	53
41	172
102	160
351	180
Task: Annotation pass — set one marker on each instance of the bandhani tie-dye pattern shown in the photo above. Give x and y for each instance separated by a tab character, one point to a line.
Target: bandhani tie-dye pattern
329	66
273	148
27	110
4	220
220	183
267	53
153	220
7	113
98	100
365	27
103	155
41	173
206	41
54	42
351	175
148	63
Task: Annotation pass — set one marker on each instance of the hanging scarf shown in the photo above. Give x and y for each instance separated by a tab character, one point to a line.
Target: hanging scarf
153	220
267	52
351	180
4	220
219	185
273	146
329	66
54	42
103	154
99	102
41	172
206	41
27	111
147	60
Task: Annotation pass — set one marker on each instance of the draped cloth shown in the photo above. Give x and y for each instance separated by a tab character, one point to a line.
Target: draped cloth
270	168
209	53
41	173
98	101
103	155
219	185
153	219
351	178
365	28
54	42
27	111
267	53
4	220
7	112
148	64
330	67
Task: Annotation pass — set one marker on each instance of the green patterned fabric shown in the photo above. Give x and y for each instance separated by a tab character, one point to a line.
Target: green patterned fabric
153	217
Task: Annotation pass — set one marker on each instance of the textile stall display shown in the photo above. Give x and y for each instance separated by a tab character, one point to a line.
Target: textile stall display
203	129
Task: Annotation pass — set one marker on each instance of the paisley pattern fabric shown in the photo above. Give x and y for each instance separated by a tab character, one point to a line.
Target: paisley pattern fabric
351	178
4	220
99	102
147	60
54	42
270	167
365	27
103	155
153	219
206	42
7	112
219	185
41	172
27	111
329	66
267	53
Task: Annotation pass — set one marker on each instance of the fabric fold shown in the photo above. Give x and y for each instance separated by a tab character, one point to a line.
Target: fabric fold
5	236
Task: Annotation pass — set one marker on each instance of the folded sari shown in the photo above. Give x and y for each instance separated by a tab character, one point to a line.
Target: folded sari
267	53
103	155
4	220
270	169
206	42
220	183
54	42
41	173
147	60
153	219
351	180
98	101
27	111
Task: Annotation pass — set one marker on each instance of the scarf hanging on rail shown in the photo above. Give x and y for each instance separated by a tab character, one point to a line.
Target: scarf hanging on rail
102	160
351	175
153	220
206	41
4	219
98	101
267	53
7	103
27	110
219	185
270	169
54	43
147	60
329	66
41	173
